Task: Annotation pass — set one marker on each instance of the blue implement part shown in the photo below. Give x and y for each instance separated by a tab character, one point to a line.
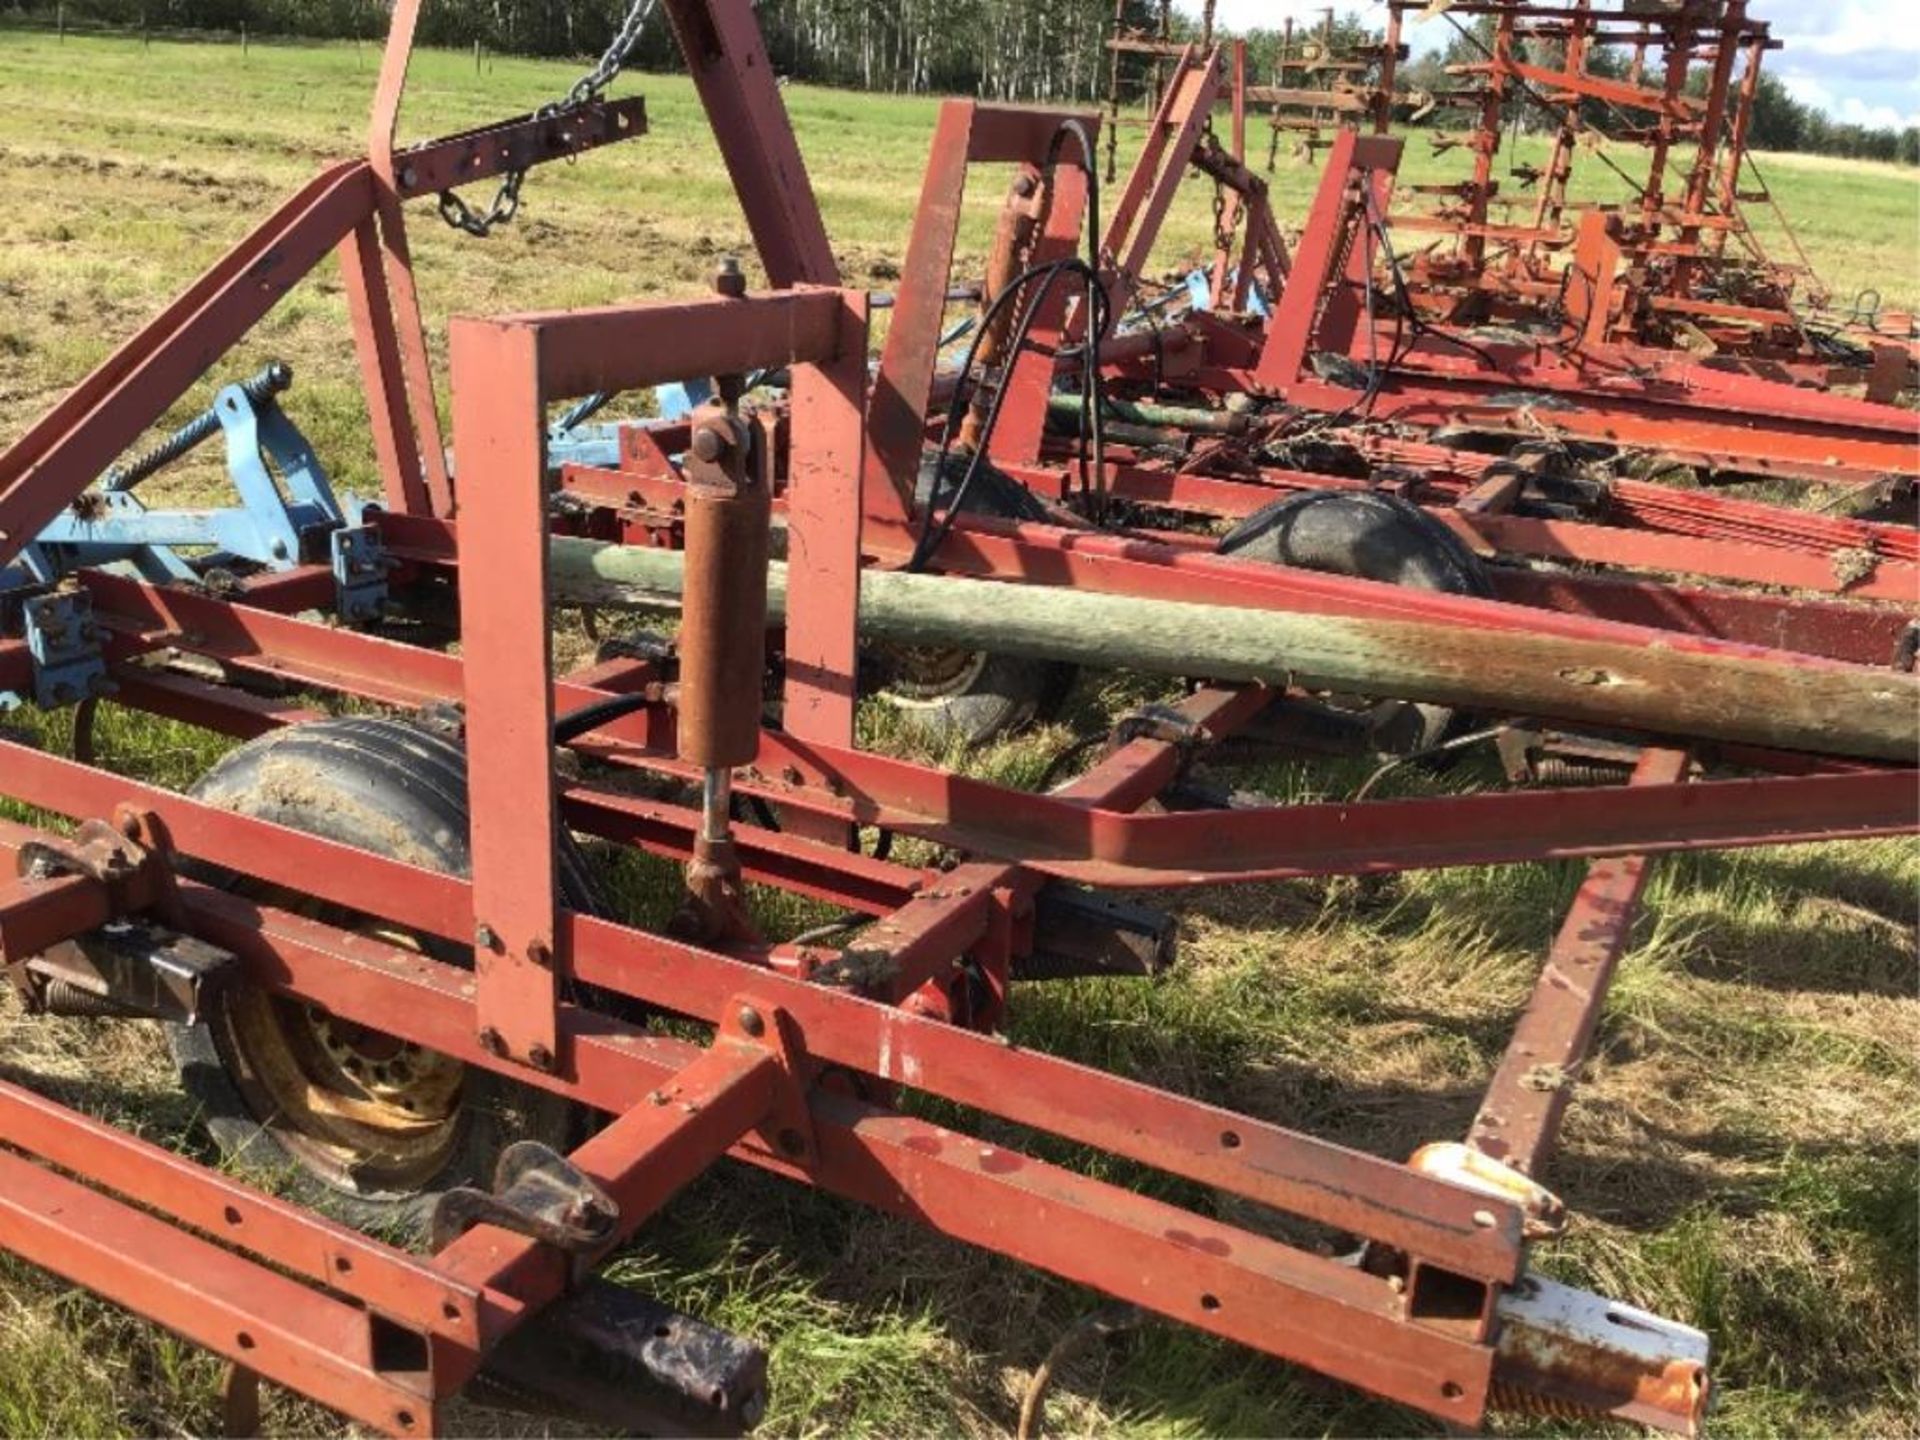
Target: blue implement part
279	523
1199	290
359	574
64	642
680	400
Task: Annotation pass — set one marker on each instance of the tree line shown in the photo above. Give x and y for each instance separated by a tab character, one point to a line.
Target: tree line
1008	50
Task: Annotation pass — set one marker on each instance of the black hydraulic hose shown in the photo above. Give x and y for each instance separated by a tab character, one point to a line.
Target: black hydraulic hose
590	717
1093	471
933	533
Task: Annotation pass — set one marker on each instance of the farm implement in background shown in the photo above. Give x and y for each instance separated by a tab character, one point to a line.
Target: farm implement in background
389	973
1663	99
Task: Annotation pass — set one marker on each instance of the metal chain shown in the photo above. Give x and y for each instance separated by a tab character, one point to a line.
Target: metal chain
1223	234
588	88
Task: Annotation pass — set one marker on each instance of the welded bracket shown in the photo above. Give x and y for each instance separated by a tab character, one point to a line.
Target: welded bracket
537	1192
77	888
64	642
788	1130
1544	1214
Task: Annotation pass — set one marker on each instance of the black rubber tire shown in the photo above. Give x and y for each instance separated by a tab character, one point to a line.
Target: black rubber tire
1001	694
1370	536
396	790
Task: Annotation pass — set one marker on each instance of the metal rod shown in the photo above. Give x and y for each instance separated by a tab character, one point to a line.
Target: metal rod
716	798
258	389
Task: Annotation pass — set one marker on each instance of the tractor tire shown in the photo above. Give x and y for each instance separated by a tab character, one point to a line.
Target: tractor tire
947	695
360	1124
1369	536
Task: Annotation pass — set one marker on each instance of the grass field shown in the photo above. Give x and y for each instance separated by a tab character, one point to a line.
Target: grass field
1743	1156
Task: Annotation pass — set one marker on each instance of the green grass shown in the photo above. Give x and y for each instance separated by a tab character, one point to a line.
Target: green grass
1742	1158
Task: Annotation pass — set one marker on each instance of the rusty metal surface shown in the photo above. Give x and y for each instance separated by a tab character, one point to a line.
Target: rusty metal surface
512	795
1519	1117
514	145
909	1005
1566	1354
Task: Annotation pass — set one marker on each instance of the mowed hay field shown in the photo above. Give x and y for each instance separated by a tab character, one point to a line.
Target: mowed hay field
1743	1153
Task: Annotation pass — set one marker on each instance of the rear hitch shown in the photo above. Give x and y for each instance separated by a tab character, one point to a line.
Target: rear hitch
1567	1352
621	1361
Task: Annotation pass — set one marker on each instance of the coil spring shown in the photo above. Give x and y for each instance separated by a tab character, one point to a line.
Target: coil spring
1564	771
258	389
1517	1401
63	997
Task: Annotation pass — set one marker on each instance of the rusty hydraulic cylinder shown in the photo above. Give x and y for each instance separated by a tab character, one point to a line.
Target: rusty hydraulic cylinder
723	635
1011	240
723	630
724	616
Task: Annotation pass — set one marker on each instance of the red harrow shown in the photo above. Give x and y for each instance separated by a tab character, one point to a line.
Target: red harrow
387	969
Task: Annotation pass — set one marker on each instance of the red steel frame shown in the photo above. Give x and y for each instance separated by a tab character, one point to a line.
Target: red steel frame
1240	1286
385	1337
1655	528
1745	420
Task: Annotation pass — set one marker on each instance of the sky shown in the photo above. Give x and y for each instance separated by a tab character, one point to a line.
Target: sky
1858	60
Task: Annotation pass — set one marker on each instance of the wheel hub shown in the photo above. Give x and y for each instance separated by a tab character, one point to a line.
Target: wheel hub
929	674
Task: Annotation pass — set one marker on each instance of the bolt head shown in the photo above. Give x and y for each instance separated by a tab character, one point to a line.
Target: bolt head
710	442
492	1041
751	1021
485	938
540	1057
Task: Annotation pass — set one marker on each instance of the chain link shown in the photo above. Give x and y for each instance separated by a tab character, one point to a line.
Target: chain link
1223	233
588	88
